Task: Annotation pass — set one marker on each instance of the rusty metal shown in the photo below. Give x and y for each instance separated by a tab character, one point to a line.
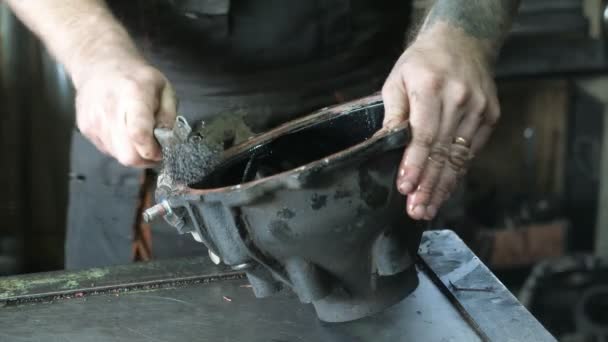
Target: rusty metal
310	206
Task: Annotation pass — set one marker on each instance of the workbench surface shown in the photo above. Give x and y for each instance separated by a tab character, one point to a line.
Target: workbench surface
458	299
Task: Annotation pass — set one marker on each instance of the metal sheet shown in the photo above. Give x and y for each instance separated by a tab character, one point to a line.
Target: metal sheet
188	300
51	285
225	311
482	298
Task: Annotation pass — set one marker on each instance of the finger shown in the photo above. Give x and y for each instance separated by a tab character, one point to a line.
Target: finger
123	148
140	123
167	111
473	131
472	119
456	100
481	137
442	191
396	106
450	175
424	121
85	122
490	120
417	201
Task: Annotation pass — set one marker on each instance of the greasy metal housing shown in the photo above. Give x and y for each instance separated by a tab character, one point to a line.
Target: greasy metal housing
310	206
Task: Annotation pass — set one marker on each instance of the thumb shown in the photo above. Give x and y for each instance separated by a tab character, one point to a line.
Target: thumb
167	110
396	104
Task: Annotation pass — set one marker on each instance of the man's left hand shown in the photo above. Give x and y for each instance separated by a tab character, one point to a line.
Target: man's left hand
444	86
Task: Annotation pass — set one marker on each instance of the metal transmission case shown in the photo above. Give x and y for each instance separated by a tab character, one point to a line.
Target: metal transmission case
310	206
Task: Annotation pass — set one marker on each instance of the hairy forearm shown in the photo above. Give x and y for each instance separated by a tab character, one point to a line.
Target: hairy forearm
77	32
485	22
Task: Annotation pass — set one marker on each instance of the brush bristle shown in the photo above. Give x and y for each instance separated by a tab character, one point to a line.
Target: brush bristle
188	163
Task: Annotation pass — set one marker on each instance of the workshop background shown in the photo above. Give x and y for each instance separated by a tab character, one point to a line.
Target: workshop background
533	206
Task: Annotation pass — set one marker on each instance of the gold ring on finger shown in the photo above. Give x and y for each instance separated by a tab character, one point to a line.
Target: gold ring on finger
461	141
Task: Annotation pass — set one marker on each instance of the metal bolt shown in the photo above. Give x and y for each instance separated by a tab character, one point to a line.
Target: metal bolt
158	210
214	257
242	266
175	221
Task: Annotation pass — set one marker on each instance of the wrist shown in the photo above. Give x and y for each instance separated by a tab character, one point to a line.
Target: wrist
105	44
103	62
454	39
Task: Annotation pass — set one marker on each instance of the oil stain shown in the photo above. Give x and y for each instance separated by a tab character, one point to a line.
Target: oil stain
374	194
286	214
342	194
281	230
318	201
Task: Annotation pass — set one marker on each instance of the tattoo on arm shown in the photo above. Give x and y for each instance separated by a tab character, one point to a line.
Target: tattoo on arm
481	19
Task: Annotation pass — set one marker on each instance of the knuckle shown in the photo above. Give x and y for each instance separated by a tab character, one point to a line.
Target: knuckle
138	134
481	106
425	188
460	94
129	86
149	74
493	117
148	154
431	82
422	138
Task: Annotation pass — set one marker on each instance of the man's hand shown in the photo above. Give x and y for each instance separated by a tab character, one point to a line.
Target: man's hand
120	98
443	85
119	104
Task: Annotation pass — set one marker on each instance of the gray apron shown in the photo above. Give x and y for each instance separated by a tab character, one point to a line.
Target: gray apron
242	66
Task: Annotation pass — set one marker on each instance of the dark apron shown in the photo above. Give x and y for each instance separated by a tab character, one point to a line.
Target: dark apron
245	65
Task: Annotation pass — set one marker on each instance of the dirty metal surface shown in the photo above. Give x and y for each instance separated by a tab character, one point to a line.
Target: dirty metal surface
482	299
42	287
286	206
219	307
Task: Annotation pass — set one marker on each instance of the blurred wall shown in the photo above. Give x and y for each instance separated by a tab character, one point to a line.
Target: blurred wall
36	120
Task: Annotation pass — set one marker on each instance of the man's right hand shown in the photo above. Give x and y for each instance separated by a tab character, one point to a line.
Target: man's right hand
118	105
120	97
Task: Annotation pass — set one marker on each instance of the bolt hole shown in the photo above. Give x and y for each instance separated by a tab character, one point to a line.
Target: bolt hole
78	177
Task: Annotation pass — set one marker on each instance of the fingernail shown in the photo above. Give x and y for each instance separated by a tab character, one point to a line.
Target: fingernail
406	187
419	211
431	211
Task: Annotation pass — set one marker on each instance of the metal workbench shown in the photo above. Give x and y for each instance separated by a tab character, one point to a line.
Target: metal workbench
458	299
